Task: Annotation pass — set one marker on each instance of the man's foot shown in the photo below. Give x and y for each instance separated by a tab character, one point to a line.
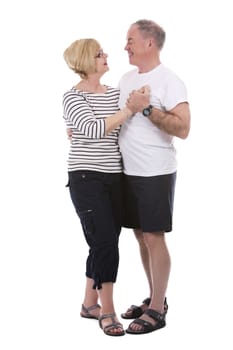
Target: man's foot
136	311
150	321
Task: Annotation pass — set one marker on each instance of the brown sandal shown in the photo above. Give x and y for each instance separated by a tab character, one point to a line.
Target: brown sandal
86	311
114	325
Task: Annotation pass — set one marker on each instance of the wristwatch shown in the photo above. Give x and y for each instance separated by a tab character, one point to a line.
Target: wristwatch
147	111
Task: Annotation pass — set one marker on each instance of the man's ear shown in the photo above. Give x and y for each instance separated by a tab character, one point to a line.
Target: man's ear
150	42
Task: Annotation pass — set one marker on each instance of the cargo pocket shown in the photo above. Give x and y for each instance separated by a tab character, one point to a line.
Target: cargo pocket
87	222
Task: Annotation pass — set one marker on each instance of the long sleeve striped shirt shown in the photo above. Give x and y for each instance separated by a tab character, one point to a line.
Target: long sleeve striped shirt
90	148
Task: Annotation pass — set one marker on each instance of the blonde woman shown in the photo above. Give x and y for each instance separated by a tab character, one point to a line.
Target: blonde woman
95	175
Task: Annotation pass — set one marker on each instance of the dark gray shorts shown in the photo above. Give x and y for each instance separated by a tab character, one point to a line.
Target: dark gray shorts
148	202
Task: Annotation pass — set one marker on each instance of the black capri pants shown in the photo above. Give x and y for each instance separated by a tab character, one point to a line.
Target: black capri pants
97	198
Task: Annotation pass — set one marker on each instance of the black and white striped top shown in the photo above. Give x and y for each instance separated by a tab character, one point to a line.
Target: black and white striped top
90	149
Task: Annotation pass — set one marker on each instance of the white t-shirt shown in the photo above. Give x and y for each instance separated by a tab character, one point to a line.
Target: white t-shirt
146	150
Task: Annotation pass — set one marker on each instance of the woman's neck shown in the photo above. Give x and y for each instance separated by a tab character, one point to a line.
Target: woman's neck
91	85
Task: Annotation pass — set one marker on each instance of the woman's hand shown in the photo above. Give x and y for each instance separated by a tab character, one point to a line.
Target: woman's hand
139	99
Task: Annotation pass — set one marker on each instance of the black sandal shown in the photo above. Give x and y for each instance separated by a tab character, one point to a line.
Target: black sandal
136	311
146	326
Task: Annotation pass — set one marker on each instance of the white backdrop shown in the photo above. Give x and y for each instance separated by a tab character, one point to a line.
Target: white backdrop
42	251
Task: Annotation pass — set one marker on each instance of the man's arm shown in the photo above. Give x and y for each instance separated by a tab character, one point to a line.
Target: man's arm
176	122
69	133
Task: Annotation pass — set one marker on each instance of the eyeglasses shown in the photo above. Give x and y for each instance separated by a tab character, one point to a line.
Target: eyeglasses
100	54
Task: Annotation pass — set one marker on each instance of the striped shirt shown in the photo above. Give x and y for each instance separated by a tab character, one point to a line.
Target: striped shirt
90	148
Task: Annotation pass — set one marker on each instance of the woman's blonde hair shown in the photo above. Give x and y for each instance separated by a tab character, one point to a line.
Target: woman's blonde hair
80	56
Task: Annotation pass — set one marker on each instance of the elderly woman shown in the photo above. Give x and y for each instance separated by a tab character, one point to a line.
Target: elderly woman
95	174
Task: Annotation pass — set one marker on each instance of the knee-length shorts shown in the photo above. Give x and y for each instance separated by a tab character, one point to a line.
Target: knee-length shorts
148	202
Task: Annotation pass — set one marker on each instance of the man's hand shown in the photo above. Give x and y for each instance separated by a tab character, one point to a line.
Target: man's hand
69	133
139	99
144	89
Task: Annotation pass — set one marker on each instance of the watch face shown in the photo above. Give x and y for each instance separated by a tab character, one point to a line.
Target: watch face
147	111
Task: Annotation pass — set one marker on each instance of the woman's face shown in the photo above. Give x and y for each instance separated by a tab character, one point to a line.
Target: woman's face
101	61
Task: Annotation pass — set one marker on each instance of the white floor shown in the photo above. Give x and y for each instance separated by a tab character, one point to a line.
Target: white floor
42	287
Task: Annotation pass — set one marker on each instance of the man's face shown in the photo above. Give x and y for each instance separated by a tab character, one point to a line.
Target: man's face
136	45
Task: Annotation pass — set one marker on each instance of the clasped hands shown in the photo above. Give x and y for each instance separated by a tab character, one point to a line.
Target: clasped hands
138	99
136	102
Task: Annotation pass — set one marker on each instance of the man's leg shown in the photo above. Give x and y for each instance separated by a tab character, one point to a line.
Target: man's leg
144	257
131	312
160	264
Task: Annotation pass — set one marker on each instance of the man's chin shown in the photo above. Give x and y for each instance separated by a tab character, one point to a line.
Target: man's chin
131	60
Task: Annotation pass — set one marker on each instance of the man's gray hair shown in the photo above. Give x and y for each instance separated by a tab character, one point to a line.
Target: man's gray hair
149	28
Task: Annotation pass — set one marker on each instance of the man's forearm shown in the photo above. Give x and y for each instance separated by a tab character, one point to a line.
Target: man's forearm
169	123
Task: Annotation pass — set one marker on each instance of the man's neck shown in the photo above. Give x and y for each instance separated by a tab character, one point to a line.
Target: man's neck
149	66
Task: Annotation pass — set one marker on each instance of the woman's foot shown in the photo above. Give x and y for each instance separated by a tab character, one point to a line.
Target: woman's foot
110	325
92	311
